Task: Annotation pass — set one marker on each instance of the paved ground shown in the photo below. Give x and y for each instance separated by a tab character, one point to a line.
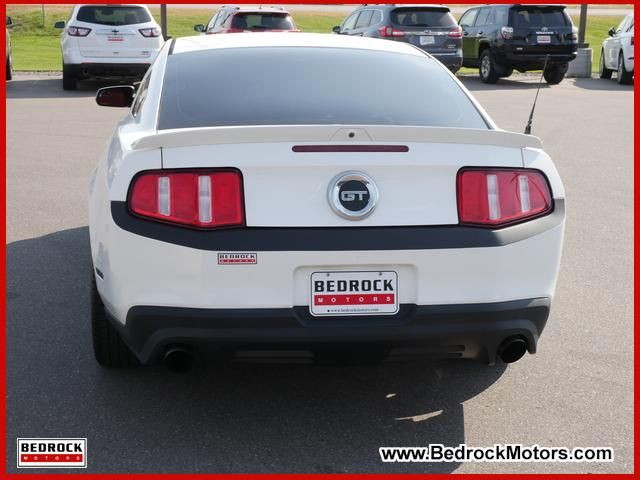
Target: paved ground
576	392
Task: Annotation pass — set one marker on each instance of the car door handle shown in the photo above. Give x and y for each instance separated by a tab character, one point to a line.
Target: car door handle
480	33
465	33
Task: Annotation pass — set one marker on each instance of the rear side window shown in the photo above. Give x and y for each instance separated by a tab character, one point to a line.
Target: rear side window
113	16
501	16
299	86
262	21
422	17
532	16
364	20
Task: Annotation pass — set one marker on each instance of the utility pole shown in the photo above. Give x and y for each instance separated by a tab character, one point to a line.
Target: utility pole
583	26
163	20
43	15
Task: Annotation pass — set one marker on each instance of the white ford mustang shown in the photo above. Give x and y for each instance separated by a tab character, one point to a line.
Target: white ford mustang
317	191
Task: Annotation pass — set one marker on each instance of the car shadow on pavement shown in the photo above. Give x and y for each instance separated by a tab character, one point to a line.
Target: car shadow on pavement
603	85
219	417
527	82
34	86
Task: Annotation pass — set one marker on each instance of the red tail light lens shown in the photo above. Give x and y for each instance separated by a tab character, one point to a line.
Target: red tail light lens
456	32
200	199
500	197
150	32
390	32
78	31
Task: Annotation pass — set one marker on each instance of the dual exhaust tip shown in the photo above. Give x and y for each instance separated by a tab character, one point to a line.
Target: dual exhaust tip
512	349
179	358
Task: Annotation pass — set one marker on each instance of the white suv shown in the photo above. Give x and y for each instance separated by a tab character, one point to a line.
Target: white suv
108	41
617	52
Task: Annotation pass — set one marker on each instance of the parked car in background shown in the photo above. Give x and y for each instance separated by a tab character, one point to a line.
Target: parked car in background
265	192
239	19
9	59
500	38
617	52
108	41
429	27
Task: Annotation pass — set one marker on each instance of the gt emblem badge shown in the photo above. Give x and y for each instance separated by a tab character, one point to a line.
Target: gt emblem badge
353	195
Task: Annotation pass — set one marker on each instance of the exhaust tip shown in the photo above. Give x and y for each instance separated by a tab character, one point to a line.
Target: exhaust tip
178	359
512	349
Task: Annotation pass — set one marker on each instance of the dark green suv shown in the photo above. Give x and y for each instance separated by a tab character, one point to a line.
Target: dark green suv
500	38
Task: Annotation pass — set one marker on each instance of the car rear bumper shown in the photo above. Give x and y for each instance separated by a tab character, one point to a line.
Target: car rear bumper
453	61
472	331
86	70
534	60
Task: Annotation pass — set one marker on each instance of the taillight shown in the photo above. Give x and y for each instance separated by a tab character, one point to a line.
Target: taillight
390	32
197	198
499	197
78	31
506	33
456	32
150	32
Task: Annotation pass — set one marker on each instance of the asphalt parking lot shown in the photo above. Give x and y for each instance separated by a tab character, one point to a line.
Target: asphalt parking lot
577	391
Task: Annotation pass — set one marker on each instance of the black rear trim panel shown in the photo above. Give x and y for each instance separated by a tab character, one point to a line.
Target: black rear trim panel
472	330
304	239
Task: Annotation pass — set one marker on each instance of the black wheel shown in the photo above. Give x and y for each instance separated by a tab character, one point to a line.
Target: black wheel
69	80
554	74
488	73
624	77
604	71
9	71
109	349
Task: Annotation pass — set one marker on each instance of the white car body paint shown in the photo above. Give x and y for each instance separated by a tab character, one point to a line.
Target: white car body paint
289	190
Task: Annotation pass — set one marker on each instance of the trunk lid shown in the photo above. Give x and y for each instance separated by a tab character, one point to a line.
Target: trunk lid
289	187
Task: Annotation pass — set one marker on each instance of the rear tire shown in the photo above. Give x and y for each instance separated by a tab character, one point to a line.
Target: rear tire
624	77
604	72
9	70
554	74
488	72
69	80
109	349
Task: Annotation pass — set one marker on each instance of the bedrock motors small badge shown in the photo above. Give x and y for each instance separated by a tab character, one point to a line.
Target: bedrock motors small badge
52	453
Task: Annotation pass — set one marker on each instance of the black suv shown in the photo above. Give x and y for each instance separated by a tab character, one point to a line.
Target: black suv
429	27
501	38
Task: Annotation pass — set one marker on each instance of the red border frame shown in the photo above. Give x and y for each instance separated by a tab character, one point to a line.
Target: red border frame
3	337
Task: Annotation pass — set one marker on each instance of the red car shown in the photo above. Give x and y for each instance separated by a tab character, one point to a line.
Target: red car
238	19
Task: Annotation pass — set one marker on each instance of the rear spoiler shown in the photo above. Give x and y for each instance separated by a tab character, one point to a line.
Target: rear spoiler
330	134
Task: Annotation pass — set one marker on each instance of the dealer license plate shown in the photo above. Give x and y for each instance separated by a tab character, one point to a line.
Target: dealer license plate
427	40
354	293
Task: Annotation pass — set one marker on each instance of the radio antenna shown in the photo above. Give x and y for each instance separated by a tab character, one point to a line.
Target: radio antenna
527	129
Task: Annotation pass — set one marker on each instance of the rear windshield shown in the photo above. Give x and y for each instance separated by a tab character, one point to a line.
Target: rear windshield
310	86
262	21
525	17
113	16
422	17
